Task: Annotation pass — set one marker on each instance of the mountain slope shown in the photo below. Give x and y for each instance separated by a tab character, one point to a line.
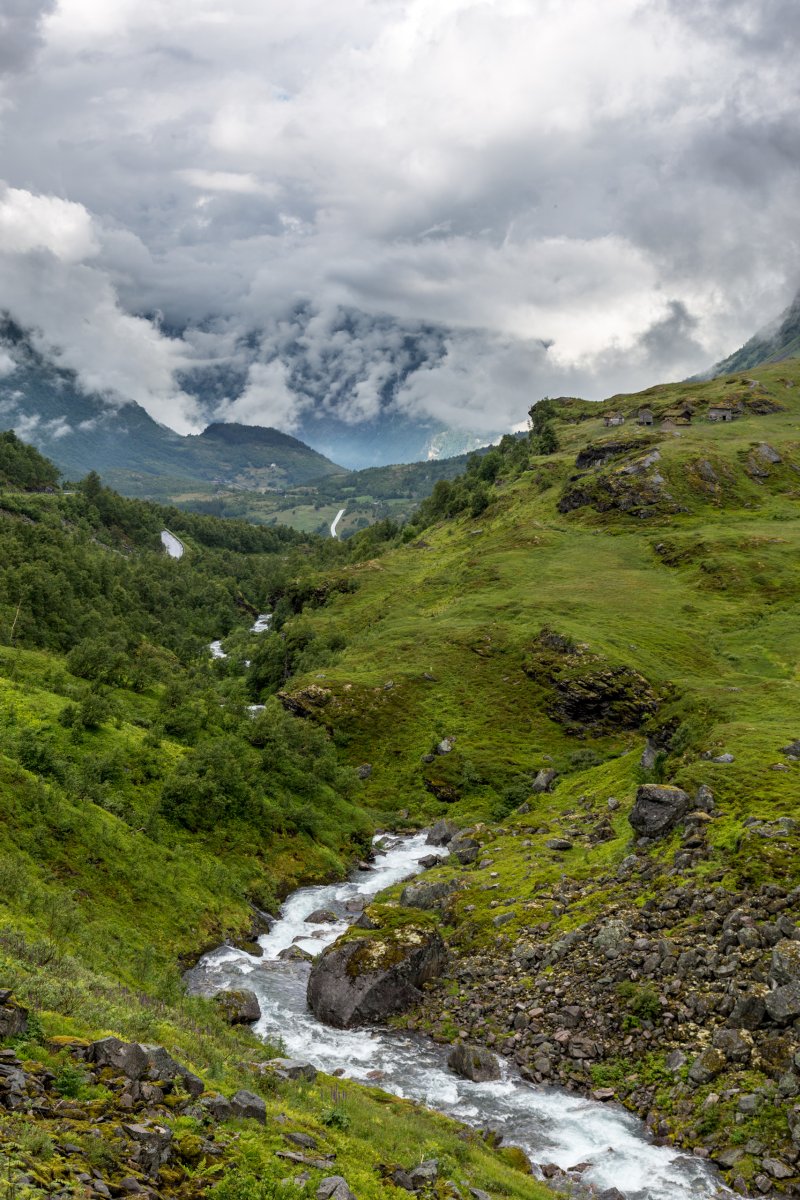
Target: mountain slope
621	612
775	342
83	432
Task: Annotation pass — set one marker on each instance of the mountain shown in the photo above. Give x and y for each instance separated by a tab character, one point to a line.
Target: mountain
775	342
348	375
82	432
586	661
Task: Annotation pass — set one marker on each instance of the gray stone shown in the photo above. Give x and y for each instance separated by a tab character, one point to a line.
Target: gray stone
708	1064
445	745
441	832
152	1146
783	1004
777	1169
425	1175
362	979
465	849
364	771
723	758
544	780
749	1011
13	1017
334	1187
128	1058
473	1062
294	954
161	1066
428	894
658	809
321	916
785	965
217	1107
675	1060
293	1068
558	844
248	1105
736	1047
704	800
239	1007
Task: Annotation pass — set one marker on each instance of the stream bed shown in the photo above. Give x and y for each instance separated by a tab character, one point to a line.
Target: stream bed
551	1125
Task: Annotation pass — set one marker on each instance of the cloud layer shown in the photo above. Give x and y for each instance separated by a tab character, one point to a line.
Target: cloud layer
455	206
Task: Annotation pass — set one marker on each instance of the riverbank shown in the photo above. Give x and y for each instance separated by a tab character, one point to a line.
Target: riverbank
554	1130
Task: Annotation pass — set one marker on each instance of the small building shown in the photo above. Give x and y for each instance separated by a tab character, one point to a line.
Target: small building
722	412
613	418
645	416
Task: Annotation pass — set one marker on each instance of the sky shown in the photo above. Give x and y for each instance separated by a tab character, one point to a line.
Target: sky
550	196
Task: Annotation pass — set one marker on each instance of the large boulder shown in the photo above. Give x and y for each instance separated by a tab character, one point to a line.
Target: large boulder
429	894
441	832
362	979
473	1062
127	1058
239	1007
658	809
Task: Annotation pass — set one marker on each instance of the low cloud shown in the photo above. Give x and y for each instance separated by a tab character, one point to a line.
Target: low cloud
445	209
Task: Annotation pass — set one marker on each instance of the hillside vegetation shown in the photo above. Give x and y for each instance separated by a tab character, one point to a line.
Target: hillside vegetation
146	815
554	631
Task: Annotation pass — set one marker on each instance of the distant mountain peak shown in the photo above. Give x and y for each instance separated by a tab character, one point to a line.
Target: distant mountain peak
778	340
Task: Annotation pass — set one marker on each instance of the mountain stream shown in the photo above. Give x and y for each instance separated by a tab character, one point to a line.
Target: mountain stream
551	1125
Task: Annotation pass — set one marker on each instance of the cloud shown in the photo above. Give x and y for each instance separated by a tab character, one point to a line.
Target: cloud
446	207
20	32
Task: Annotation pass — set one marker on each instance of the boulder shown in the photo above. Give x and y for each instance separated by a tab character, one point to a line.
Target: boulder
13	1017
658	809
364	771
162	1067
430	894
708	1064
465	848
736	1047
544	780
293	1068
473	1062
239	1007
334	1187
322	916
441	832
248	1105
127	1058
749	1011
362	979
217	1107
785	965
294	954
152	1146
783	1004
425	1175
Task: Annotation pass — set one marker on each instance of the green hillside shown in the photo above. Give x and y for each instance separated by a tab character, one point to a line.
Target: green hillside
146	816
633	592
777	341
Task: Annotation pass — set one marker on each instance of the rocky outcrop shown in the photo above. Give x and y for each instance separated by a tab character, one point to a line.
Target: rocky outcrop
658	809
13	1017
360	979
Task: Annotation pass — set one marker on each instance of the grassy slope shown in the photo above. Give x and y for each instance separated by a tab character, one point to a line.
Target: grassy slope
464	602
97	901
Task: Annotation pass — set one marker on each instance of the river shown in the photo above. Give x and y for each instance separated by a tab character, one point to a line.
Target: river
549	1124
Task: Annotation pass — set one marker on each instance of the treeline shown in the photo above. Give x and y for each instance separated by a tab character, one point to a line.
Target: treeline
23	467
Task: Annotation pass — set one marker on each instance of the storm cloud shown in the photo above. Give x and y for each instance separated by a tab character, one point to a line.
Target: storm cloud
455	206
